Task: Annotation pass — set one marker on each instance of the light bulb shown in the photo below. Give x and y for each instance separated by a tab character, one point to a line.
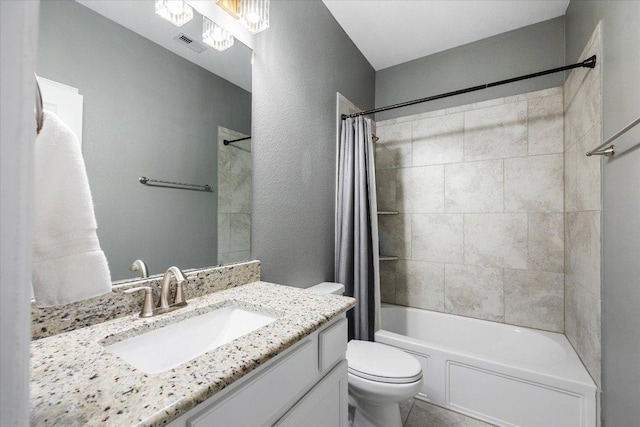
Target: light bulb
215	36
175	11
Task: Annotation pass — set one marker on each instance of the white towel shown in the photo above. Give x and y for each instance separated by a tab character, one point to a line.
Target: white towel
68	264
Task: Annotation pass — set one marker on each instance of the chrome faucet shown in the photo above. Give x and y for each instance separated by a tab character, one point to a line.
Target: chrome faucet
139	265
178	301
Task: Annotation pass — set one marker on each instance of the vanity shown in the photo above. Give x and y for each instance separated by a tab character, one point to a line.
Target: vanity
290	372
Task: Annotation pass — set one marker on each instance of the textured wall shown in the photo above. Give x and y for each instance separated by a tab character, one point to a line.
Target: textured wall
147	112
300	63
621	198
479	193
522	51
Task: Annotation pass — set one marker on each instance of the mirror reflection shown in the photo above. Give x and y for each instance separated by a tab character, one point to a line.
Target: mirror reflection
144	103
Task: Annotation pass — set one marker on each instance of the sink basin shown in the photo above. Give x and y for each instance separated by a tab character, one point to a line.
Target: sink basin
172	345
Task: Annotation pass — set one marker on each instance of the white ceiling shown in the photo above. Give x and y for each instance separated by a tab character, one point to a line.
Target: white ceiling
234	64
390	32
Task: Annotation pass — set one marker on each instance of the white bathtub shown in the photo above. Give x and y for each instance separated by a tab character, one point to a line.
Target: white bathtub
505	375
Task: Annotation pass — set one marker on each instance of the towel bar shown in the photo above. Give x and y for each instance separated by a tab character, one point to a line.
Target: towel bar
611	150
171	184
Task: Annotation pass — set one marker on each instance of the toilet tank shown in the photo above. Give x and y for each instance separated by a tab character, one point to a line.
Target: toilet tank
328	288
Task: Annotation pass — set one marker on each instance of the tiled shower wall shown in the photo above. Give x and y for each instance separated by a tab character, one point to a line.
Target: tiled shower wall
479	191
583	132
234	198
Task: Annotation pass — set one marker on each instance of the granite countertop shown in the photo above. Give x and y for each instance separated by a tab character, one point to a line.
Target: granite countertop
75	381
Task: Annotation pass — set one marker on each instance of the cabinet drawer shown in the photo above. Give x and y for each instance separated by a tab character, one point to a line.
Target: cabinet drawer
257	401
332	345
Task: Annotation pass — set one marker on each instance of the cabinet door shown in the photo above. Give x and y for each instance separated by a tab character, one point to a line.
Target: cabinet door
262	398
326	405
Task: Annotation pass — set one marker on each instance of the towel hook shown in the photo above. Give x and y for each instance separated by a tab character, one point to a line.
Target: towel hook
39	107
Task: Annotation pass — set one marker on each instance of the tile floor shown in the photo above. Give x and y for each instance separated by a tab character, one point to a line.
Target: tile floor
416	413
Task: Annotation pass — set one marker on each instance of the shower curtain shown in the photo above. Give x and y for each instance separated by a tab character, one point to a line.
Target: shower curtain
357	227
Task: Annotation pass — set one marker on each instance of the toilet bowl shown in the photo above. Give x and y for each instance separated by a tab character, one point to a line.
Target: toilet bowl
380	377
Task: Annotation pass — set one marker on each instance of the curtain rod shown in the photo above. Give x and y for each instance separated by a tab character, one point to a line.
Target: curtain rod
587	63
227	142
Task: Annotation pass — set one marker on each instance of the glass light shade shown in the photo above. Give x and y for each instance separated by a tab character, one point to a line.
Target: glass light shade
175	11
215	36
254	15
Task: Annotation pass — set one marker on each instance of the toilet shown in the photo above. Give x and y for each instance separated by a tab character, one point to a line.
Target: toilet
380	377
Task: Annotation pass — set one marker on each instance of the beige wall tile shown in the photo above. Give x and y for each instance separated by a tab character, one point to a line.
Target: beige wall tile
420	189
420	284
223	232
496	240
546	242
582	249
583	326
233	257
393	149
534	299
437	238
533	95
388	282
546	125
588	172
474	291
438	140
395	235
474	187
240	228
496	132
583	97
570	179
386	189
533	184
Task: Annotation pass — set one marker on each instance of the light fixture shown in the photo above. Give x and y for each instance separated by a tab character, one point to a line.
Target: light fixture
215	36
175	11
254	14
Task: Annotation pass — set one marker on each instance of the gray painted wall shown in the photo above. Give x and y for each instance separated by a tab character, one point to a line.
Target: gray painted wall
147	112
621	198
525	50
300	63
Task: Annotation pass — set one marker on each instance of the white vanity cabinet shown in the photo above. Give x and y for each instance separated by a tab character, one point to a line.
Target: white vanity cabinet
305	385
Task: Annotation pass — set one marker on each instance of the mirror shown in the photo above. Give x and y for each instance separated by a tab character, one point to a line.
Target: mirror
153	106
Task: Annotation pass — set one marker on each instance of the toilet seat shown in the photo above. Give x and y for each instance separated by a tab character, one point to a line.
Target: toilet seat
382	363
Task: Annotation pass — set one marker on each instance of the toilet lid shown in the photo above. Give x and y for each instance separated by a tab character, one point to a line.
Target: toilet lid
382	363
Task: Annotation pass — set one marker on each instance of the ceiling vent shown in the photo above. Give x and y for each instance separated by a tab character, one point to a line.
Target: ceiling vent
187	41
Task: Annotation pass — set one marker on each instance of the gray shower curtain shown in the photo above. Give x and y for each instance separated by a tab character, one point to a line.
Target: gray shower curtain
357	227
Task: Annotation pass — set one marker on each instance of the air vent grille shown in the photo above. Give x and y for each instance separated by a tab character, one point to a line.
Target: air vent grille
187	41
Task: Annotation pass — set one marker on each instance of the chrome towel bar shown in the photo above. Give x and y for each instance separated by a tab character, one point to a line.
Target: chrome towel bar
171	184
611	150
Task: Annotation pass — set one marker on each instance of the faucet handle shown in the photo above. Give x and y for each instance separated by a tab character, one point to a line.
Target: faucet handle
147	306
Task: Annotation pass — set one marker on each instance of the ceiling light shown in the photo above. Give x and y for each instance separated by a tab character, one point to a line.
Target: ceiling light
254	14
175	11
215	36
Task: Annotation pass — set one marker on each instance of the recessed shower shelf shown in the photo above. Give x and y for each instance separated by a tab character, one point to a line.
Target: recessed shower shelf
388	258
387	213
